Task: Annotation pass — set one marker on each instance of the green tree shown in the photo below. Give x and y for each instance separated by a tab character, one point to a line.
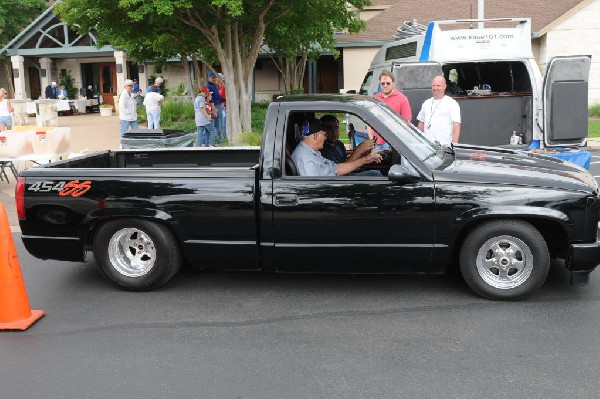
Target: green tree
231	31
15	15
308	30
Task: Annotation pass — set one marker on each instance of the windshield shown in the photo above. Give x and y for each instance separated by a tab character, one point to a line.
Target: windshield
364	88
429	153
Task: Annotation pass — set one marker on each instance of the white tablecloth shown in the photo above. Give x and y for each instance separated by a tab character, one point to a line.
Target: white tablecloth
79	105
31	107
63	105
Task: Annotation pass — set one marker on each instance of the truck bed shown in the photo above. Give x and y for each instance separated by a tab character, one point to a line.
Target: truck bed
237	157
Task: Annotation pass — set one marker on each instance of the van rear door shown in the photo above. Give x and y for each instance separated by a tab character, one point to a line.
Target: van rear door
566	100
414	80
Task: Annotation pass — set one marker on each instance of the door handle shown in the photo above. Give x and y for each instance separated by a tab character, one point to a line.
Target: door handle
286	199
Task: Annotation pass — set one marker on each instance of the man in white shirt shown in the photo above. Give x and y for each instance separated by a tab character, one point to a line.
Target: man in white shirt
439	118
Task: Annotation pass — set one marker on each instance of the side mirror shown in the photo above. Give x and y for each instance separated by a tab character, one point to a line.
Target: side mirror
403	174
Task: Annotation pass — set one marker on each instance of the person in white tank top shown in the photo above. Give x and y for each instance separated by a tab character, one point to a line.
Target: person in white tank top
5	110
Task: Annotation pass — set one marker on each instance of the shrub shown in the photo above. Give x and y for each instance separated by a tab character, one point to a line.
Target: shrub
141	113
251	138
258	113
176	111
186	126
67	81
594	111
179	115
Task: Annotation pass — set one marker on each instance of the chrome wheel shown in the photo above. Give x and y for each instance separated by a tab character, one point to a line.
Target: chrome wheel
504	262
131	252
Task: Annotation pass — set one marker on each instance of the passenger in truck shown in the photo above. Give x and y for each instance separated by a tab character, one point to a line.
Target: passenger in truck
334	149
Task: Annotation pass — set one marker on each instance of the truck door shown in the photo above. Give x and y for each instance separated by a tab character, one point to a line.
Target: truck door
414	80
565	100
351	224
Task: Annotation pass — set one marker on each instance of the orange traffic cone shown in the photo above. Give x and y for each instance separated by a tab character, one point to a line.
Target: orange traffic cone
15	313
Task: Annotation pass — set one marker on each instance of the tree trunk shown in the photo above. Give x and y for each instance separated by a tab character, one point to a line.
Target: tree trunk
7	69
237	50
300	68
292	70
188	75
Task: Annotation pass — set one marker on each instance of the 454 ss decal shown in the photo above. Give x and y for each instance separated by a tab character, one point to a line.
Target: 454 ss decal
73	188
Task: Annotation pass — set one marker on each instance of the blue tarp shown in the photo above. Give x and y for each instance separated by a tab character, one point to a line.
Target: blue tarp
581	158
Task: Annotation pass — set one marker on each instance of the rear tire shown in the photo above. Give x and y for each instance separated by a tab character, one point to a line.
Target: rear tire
136	255
504	259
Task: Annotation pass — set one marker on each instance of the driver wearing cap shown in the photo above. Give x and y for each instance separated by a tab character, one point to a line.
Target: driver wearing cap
310	162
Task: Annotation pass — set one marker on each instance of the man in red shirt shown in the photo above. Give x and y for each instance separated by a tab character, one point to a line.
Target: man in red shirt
394	99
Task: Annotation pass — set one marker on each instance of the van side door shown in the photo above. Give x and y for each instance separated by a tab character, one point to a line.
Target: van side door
565	100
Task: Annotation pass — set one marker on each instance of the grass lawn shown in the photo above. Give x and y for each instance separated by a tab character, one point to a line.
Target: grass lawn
594	128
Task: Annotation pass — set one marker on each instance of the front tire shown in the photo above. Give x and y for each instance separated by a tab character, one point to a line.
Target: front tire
136	255
504	259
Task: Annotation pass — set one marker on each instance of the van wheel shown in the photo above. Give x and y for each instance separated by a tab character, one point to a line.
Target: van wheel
136	255
504	259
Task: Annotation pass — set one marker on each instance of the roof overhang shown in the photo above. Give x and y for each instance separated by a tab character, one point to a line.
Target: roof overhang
373	43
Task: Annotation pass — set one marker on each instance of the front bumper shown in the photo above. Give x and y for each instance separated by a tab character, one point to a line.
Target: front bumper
584	257
582	260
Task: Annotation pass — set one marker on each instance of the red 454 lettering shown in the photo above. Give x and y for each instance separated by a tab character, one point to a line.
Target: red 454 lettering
74	188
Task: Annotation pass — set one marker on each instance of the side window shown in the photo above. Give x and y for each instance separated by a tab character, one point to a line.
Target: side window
364	88
339	145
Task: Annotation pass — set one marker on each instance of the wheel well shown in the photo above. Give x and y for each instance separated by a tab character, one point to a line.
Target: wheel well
554	235
93	228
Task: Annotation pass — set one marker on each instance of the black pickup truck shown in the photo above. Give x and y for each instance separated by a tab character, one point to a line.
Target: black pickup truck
500	214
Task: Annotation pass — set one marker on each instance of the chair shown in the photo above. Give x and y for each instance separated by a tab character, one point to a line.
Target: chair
9	165
290	166
291	143
357	138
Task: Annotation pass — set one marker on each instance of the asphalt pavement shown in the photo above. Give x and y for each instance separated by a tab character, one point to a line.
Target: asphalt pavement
252	335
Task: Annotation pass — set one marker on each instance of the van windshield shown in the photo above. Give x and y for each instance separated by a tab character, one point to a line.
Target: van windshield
364	87
427	152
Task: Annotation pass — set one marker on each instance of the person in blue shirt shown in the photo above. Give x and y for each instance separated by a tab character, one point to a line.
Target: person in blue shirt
157	82
51	91
137	92
62	93
219	121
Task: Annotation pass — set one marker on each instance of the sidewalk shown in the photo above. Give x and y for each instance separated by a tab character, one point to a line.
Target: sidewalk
89	132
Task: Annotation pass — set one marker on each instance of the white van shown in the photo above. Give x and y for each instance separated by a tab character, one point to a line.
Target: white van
492	74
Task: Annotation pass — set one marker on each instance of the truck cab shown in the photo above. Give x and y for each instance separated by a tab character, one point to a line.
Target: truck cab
492	74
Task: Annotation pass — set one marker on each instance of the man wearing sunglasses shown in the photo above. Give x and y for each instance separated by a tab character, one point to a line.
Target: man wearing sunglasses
395	100
392	97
